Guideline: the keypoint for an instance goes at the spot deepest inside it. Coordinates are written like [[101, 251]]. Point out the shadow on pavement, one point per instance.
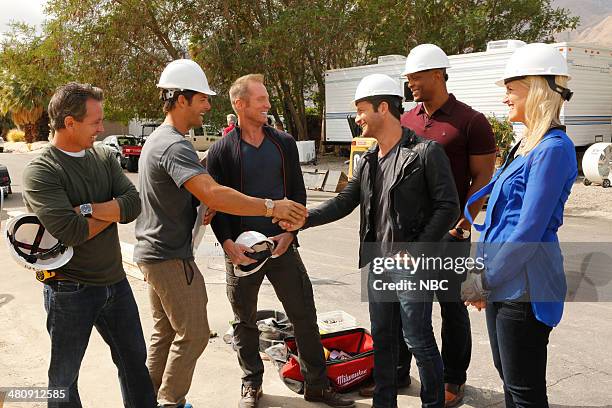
[[5, 298], [278, 401]]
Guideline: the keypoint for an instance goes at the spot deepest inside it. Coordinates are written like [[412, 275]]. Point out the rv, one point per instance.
[[588, 116], [203, 137]]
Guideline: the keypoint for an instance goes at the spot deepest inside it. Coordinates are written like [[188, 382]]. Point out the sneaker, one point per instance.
[[368, 389], [453, 395], [250, 396], [327, 396]]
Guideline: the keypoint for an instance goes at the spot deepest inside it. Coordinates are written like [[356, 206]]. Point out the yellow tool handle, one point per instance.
[[42, 276]]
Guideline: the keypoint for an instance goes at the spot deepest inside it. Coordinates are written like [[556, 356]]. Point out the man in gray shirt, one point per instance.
[[172, 182]]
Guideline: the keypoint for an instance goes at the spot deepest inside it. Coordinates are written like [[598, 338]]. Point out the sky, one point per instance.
[[29, 11]]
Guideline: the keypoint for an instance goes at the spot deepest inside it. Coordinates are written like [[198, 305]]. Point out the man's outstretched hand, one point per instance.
[[290, 212], [288, 226]]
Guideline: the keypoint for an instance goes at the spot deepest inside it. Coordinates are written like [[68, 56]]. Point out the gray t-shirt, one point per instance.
[[382, 185], [164, 227], [262, 169]]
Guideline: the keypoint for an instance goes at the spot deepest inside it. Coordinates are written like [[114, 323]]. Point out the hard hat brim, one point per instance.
[[208, 91], [502, 81], [412, 71]]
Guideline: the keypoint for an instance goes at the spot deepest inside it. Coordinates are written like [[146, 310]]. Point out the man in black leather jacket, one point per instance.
[[408, 197]]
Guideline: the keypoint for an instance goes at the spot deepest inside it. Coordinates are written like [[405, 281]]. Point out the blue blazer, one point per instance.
[[519, 236]]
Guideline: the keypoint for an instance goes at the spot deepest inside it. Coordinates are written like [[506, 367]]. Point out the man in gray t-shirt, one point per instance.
[[164, 228], [172, 183]]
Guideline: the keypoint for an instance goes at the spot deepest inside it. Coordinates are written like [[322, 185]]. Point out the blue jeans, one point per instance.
[[518, 342], [73, 309], [456, 329], [413, 316]]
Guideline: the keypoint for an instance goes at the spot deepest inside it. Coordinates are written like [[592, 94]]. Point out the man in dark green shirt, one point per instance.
[[79, 193]]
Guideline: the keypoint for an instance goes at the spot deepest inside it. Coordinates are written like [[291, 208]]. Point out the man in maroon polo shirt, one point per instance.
[[468, 141]]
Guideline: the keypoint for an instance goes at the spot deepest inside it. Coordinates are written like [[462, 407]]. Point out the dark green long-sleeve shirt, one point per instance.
[[54, 183]]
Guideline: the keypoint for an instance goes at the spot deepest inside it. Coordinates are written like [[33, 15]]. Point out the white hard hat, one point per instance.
[[32, 246], [424, 57], [535, 59], [184, 75], [263, 247], [377, 85]]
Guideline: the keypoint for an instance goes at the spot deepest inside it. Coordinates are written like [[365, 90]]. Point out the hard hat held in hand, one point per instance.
[[424, 57], [535, 59], [263, 247], [184, 75], [32, 246], [377, 85]]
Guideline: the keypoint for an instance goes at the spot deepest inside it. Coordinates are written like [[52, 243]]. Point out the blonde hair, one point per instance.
[[542, 110], [240, 87]]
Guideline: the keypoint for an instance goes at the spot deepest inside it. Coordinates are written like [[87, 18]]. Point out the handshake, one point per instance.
[[289, 215]]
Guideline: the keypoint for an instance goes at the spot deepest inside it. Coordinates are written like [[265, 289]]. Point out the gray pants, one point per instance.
[[291, 283]]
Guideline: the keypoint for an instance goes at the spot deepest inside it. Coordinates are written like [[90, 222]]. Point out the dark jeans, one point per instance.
[[291, 283], [518, 342], [456, 329], [73, 309], [413, 317]]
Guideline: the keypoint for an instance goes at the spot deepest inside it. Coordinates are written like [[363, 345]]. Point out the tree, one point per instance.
[[123, 45], [6, 124], [32, 67], [461, 26]]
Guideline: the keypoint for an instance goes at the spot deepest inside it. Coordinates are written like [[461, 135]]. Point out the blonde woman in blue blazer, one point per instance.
[[523, 284]]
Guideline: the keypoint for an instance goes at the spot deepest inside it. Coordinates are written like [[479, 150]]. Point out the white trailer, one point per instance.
[[588, 116]]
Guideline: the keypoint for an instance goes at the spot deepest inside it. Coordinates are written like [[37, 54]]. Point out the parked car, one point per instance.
[[132, 151], [127, 148], [1, 145], [5, 180]]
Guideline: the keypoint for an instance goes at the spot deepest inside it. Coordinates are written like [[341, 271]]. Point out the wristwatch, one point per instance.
[[465, 234], [269, 207], [86, 210]]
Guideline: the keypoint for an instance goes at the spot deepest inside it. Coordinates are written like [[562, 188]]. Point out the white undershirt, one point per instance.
[[74, 154]]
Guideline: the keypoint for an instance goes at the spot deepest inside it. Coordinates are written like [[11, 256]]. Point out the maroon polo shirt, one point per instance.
[[462, 132]]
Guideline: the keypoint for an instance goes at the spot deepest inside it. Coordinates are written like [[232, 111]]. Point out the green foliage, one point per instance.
[[459, 26], [32, 67], [504, 134]]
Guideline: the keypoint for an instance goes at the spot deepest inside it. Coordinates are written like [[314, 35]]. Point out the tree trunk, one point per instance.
[[42, 126], [31, 132]]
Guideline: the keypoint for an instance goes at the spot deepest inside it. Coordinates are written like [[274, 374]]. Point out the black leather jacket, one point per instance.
[[425, 204]]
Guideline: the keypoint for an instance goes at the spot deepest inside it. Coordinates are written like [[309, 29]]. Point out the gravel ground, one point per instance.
[[593, 201], [328, 162]]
